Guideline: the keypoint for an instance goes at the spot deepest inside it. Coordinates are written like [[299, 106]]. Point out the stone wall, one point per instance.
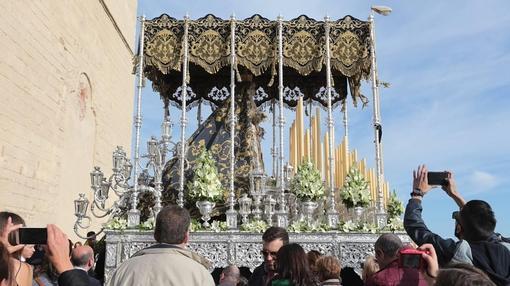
[[66, 101]]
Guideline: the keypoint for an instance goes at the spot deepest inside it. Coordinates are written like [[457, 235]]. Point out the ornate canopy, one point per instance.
[[256, 47]]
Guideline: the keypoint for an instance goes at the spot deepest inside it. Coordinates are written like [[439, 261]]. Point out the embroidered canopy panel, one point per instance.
[[256, 48]]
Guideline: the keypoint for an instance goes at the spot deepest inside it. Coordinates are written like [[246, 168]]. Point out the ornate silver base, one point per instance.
[[243, 248]]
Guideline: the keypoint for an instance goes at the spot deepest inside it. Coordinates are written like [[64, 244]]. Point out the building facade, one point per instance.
[[66, 101]]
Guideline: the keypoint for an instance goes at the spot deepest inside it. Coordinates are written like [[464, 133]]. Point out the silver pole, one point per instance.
[[184, 94], [134, 213], [346, 126], [281, 215], [332, 213], [231, 213], [310, 115], [274, 150], [381, 214]]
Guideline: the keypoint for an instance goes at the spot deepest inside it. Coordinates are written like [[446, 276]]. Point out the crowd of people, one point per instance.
[[479, 256]]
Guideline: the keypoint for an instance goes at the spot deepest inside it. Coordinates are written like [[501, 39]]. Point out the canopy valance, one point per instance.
[[256, 47]]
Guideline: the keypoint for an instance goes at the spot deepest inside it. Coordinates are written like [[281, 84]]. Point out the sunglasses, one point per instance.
[[455, 215], [266, 253]]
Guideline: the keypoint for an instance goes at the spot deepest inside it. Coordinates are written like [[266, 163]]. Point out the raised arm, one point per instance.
[[451, 189], [414, 224]]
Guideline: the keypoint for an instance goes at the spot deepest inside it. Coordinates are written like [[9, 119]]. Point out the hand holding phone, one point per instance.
[[4, 238]]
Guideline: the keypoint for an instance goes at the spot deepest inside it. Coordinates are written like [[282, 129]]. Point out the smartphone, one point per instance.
[[411, 258], [437, 178], [28, 235]]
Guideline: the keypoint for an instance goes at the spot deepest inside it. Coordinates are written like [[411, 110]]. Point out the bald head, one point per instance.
[[83, 257], [230, 276]]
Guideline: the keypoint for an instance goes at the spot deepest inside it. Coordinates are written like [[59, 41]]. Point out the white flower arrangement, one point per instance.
[[206, 184], [307, 183], [394, 224], [257, 226], [303, 226], [394, 207], [350, 226], [116, 223], [149, 224], [355, 192]]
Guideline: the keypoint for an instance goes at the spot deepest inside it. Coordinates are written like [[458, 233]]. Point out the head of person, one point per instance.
[[83, 257], [312, 256], [230, 276], [387, 247], [76, 244], [172, 225], [328, 267], [475, 221], [28, 251], [462, 275], [272, 240], [91, 238], [292, 264], [370, 267]]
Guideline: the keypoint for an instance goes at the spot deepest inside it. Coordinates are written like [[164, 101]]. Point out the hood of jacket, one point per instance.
[[494, 259]]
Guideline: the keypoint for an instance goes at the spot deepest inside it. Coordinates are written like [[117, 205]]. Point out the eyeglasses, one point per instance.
[[455, 215], [266, 253]]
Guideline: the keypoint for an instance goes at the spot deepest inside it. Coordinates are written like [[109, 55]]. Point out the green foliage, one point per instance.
[[195, 225], [394, 224], [216, 226], [307, 183], [206, 184], [355, 192], [394, 206]]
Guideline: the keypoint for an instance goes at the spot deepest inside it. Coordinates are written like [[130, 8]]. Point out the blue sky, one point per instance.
[[448, 100]]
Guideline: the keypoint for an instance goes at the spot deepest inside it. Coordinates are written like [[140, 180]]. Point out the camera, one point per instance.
[[411, 258], [27, 235], [437, 178]]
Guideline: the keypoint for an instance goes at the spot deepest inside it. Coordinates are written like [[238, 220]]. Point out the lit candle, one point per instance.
[[291, 145], [326, 155]]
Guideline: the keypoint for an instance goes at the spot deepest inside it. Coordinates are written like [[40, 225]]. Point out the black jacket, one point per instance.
[[494, 259], [74, 277], [259, 276], [492, 256], [420, 234]]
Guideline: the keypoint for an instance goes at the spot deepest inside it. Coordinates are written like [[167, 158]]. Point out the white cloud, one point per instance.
[[483, 181]]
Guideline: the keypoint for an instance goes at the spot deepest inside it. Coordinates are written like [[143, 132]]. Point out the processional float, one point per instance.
[[239, 67]]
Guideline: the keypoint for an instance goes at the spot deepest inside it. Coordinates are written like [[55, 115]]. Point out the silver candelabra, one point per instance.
[[149, 180]]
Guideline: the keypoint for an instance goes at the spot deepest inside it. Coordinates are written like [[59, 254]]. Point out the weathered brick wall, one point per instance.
[[66, 101]]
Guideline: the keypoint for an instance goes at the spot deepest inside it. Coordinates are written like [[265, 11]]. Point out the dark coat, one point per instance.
[[258, 278], [492, 256], [74, 277]]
